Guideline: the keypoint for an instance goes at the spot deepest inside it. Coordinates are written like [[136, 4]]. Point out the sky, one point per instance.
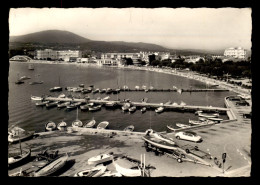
[[180, 28]]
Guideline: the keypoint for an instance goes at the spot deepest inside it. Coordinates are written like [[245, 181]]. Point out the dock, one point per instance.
[[176, 90]]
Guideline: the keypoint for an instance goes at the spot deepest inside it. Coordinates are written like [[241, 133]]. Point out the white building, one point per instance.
[[235, 53], [57, 55]]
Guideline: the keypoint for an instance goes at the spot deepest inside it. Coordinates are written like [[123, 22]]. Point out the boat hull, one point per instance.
[[159, 143], [98, 160], [15, 139], [93, 172], [17, 162]]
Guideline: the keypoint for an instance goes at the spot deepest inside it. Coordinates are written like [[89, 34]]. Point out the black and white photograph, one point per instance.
[[129, 92]]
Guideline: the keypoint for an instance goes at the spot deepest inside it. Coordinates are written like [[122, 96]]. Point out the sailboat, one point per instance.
[[77, 122], [56, 88]]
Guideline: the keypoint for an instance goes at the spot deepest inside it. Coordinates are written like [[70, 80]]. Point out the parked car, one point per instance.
[[188, 135]]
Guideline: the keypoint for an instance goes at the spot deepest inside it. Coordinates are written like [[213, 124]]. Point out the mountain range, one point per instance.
[[57, 39]]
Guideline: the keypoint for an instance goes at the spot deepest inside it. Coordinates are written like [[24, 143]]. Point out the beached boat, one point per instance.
[[208, 115], [159, 110], [103, 125], [143, 109], [52, 166], [51, 104], [132, 109], [94, 108], [160, 143], [17, 133], [92, 172], [102, 158], [77, 122], [62, 105], [61, 125], [41, 103], [50, 126], [182, 125], [15, 160], [129, 128], [90, 124], [106, 98], [128, 172], [36, 98], [126, 106]]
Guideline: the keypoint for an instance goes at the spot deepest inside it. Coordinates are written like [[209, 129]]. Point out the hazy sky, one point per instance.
[[184, 28]]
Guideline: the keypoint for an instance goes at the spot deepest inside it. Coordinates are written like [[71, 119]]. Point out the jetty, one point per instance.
[[176, 90]]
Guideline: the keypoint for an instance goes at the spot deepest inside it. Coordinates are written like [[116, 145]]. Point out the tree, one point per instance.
[[151, 58], [129, 61]]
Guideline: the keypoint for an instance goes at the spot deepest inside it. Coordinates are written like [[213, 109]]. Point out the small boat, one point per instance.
[[110, 104], [117, 90], [25, 78], [125, 87], [34, 83], [182, 125], [73, 106], [62, 96], [208, 115], [132, 109], [41, 103], [85, 91], [106, 98], [144, 87], [17, 133], [159, 110], [163, 138], [174, 104], [128, 172], [84, 107], [102, 90], [194, 122], [197, 112], [52, 104], [81, 85], [168, 103], [103, 125], [19, 82], [111, 174], [160, 143], [77, 89], [129, 128], [50, 126], [52, 166], [215, 119], [95, 91], [109, 90], [14, 160], [126, 106], [36, 98], [56, 88], [94, 108], [31, 67], [202, 119], [90, 124], [100, 159], [146, 90], [92, 172], [77, 122], [182, 103], [61, 105], [61, 125], [143, 109], [137, 87], [171, 128]]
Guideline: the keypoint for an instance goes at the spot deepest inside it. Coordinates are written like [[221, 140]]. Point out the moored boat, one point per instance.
[[94, 108], [129, 128], [143, 109], [84, 107], [92, 172], [215, 119], [36, 98], [34, 83], [51, 104], [159, 110], [77, 122], [50, 126], [103, 125], [24, 78], [109, 90], [61, 125], [95, 91], [208, 115], [102, 90], [194, 122], [62, 95], [61, 105], [106, 98], [102, 158], [182, 125], [41, 103], [56, 88], [132, 109], [110, 104], [128, 172], [90, 124]]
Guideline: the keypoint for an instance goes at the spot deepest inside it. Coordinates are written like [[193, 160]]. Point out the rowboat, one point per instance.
[[52, 104], [160, 143], [194, 122], [50, 126], [90, 124], [95, 91], [100, 159], [61, 125], [143, 109], [159, 110], [41, 103], [128, 172], [17, 133], [56, 88], [106, 98], [102, 90], [126, 106], [73, 105], [84, 107], [110, 104], [61, 105], [25, 78], [129, 128], [62, 96], [37, 98], [77, 122], [52, 166], [132, 109], [109, 90], [95, 108], [34, 83], [103, 125], [18, 159], [208, 115], [111, 174], [182, 125], [92, 172]]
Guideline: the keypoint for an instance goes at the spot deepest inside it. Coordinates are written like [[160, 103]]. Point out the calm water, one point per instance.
[[24, 113]]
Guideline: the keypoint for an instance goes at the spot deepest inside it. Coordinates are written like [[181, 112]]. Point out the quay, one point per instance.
[[176, 90]]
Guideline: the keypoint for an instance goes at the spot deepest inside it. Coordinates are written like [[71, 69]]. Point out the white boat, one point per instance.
[[174, 104], [77, 122], [137, 87], [129, 128], [92, 172], [103, 125], [159, 110], [106, 98], [132, 109], [197, 112], [143, 109], [215, 119], [194, 122], [109, 90], [110, 104], [94, 108], [61, 125], [100, 159], [90, 124], [182, 125], [56, 88], [111, 174], [37, 98], [50, 126], [168, 103], [84, 107], [208, 115], [182, 103], [24, 78], [61, 105], [128, 172], [41, 103], [163, 138], [17, 133], [14, 160], [62, 96], [51, 104], [52, 166], [126, 106]]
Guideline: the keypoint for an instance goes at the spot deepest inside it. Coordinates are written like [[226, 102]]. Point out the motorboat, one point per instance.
[[194, 122], [182, 125], [34, 83], [127, 172], [56, 88], [106, 98], [41, 103], [17, 133], [52, 166], [132, 109], [95, 91], [143, 109], [52, 104], [102, 158], [102, 90], [94, 108], [50, 126], [126, 106], [92, 172], [62, 105], [36, 98], [15, 160], [159, 110], [103, 125], [62, 95], [129, 128], [110, 104], [61, 125], [77, 122], [160, 143], [90, 124], [84, 107], [208, 115]]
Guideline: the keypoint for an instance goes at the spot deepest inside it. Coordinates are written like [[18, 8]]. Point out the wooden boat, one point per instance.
[[111, 174], [95, 108], [17, 159], [77, 122], [50, 126], [100, 159], [52, 166], [159, 110], [110, 104], [52, 104], [208, 115], [160, 143], [61, 105], [84, 107], [61, 125], [128, 172], [182, 125], [90, 124], [36, 98], [143, 109], [103, 125], [17, 133], [41, 103], [132, 109], [126, 106], [92, 172], [129, 128]]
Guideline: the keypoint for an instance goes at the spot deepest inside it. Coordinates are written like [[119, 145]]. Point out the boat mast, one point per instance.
[[77, 114], [20, 143]]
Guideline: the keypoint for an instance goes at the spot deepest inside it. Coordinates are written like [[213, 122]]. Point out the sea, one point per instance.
[[22, 111]]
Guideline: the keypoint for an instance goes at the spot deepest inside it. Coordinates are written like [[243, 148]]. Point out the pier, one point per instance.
[[176, 90]]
